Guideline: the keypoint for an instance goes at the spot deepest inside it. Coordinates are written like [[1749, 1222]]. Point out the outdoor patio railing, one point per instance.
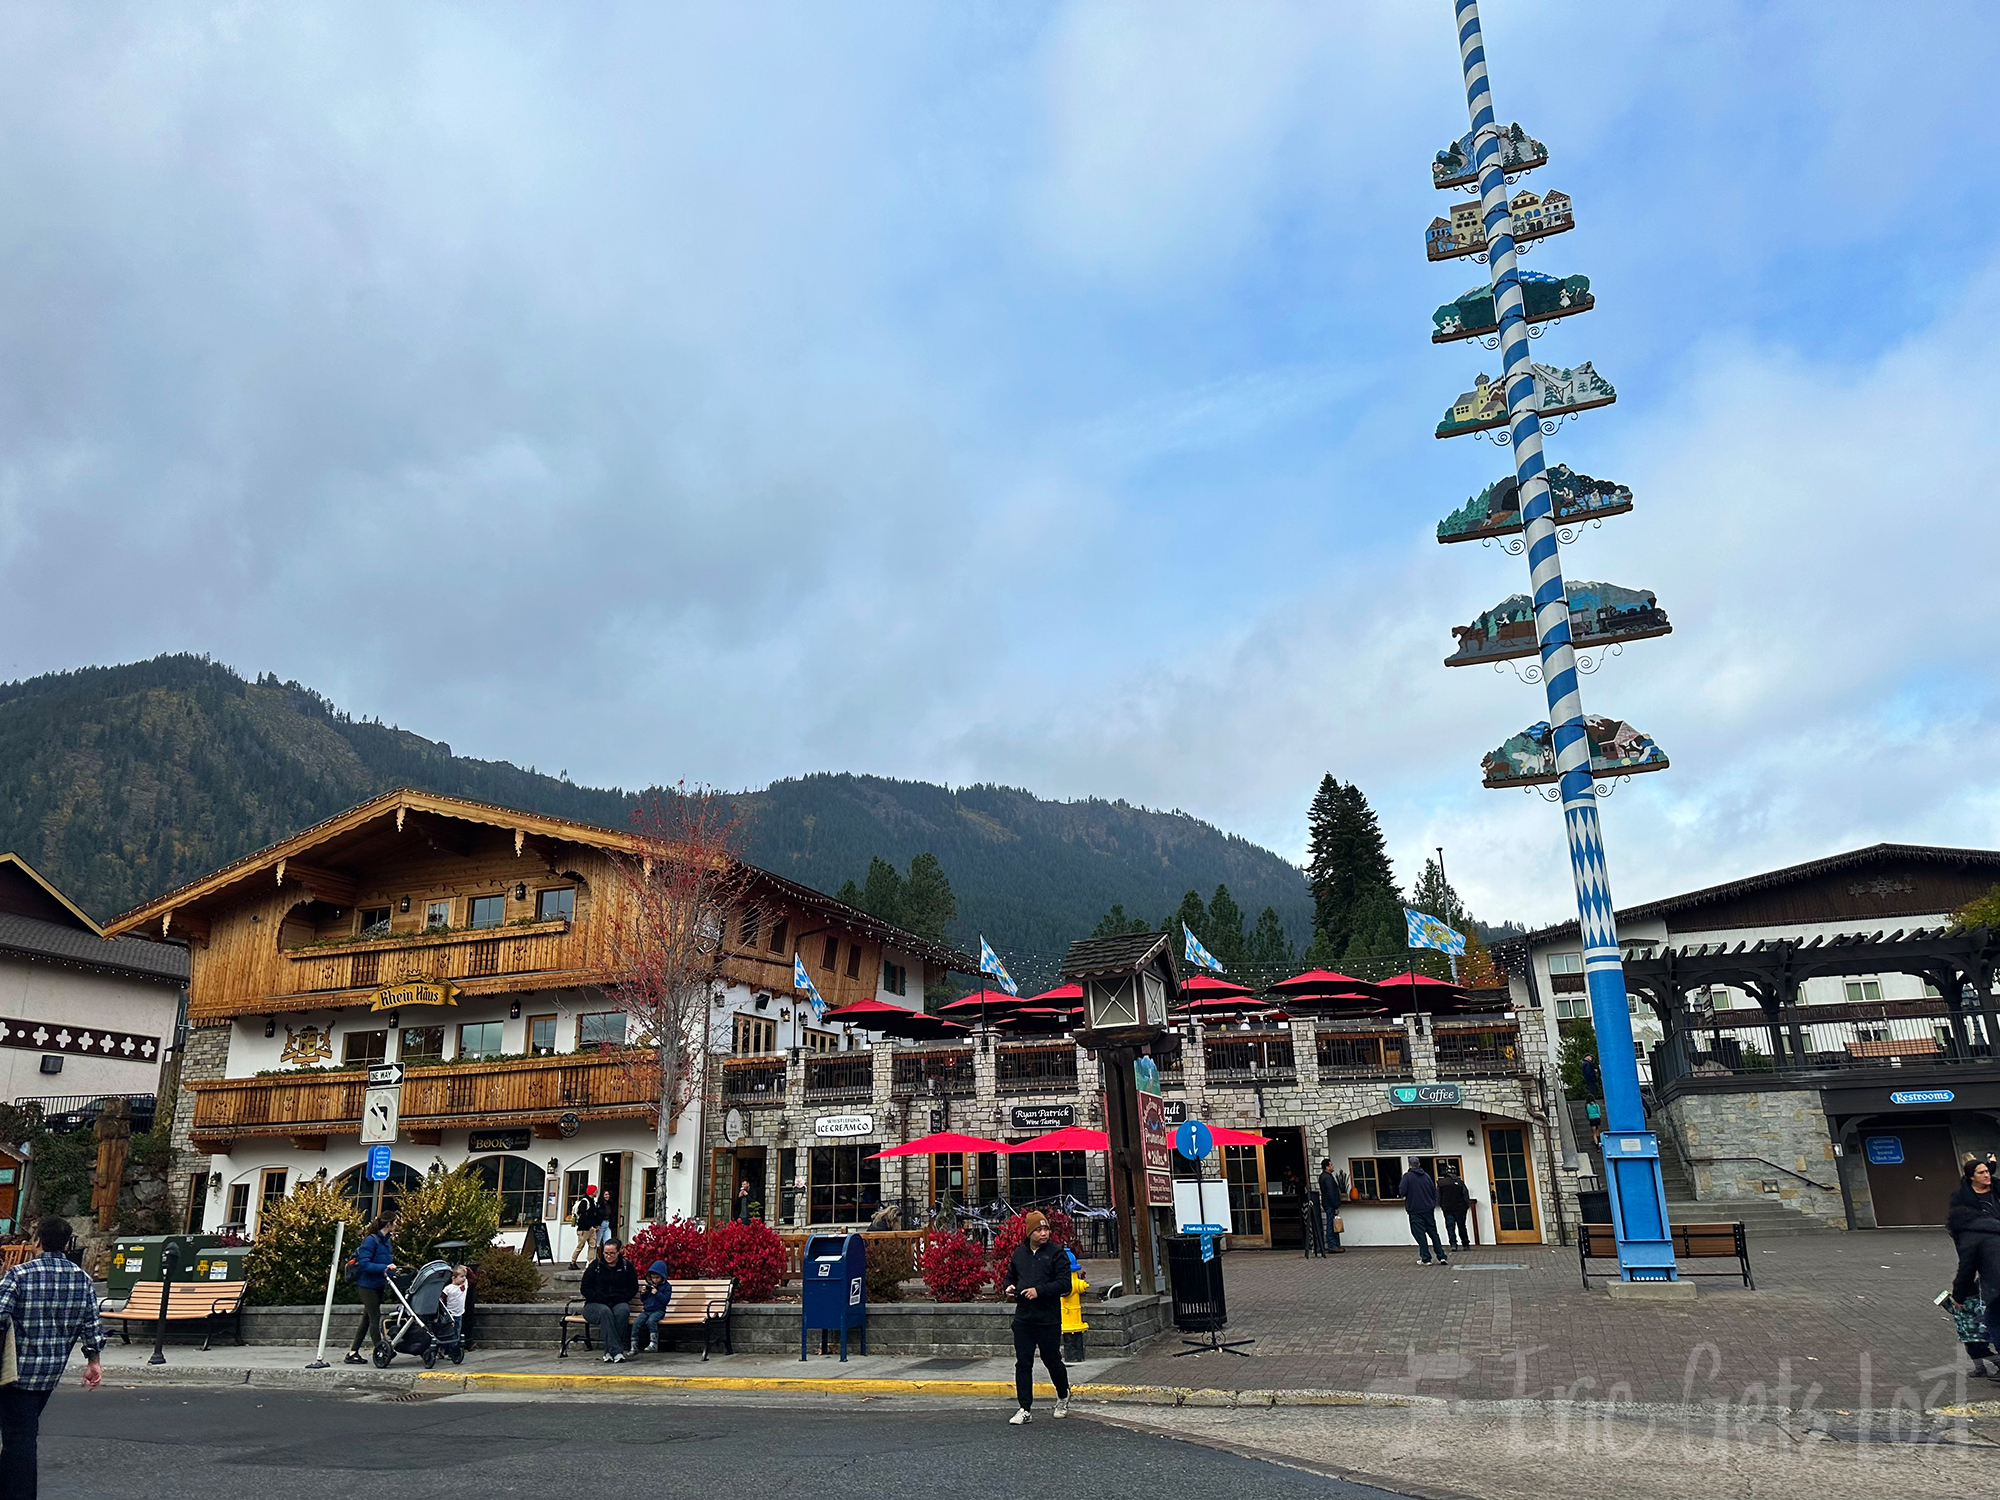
[[1350, 1054], [753, 1080], [850, 1076], [1470, 1052], [1746, 1043], [1245, 1058], [920, 1071], [1035, 1067]]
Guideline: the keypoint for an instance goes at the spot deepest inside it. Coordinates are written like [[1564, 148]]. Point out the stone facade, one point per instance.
[[205, 1055], [1741, 1142]]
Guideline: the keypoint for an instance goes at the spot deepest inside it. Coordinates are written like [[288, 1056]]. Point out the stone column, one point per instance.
[[1305, 1053], [1423, 1048]]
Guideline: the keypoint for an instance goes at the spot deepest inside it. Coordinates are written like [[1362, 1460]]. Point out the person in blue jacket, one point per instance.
[[373, 1264]]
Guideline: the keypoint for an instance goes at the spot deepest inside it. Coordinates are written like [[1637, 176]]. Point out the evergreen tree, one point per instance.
[[1348, 869], [850, 893], [882, 892], [1194, 914], [1379, 929], [1477, 971], [927, 904], [1225, 929], [1115, 923], [1323, 864], [1435, 896], [1267, 952]]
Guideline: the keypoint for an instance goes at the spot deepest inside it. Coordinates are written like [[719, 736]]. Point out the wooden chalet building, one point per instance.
[[475, 945]]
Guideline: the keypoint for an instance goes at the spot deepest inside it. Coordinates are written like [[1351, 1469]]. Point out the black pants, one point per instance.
[[1029, 1337], [20, 1425], [371, 1319], [1454, 1226], [1424, 1230]]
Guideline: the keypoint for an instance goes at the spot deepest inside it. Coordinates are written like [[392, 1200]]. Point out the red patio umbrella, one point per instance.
[[1069, 1138], [945, 1141], [1412, 990], [1224, 1005], [893, 1020], [1041, 1019], [1213, 987], [981, 1003], [1323, 982], [1062, 993], [1224, 1136]]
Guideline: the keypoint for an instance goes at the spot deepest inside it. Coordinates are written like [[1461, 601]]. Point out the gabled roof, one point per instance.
[[405, 800], [1832, 864], [1115, 955], [71, 947], [24, 892]]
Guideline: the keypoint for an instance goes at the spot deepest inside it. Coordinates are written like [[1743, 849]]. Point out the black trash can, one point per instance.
[[1199, 1303]]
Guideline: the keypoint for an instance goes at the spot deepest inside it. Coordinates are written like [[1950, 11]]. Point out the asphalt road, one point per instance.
[[180, 1444]]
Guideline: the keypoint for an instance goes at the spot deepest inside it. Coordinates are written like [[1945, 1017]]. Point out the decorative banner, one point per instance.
[[1426, 931], [1196, 954], [1557, 392], [1464, 233], [49, 1036], [801, 980], [989, 963], [1496, 510], [1519, 152], [1599, 613], [1545, 298], [1529, 758], [415, 992]]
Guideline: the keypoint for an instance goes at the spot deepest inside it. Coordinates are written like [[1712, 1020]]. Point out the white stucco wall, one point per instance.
[[65, 997]]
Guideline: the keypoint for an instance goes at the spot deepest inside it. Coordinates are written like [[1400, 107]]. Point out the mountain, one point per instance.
[[121, 782]]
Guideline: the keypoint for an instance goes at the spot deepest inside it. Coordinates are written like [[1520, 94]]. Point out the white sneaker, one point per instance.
[[1062, 1406], [1020, 1418], [618, 1359], [607, 1359]]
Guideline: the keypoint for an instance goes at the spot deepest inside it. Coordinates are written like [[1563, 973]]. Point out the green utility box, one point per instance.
[[136, 1258], [215, 1262]]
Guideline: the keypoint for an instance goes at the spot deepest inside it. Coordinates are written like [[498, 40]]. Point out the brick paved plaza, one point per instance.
[[1840, 1308]]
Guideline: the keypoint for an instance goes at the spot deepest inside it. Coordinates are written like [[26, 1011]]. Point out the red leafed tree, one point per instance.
[[682, 881]]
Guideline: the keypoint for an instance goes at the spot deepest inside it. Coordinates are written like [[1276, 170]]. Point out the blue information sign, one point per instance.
[[378, 1163], [1885, 1150], [1194, 1140]]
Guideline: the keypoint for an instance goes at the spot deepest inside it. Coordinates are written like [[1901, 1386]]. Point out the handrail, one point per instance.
[[1824, 1187]]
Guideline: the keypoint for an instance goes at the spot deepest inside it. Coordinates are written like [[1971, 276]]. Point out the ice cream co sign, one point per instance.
[[838, 1127]]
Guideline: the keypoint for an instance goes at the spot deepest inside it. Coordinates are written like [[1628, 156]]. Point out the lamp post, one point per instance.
[[1631, 1152], [170, 1262]]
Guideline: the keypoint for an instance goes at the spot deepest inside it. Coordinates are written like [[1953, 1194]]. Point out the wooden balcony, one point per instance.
[[479, 960], [535, 1091], [754, 1080], [1478, 1050]]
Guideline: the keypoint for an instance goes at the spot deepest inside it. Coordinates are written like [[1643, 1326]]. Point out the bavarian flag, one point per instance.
[[989, 963], [1196, 954], [1426, 931], [801, 980]]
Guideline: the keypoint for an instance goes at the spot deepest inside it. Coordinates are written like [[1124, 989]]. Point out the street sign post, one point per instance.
[[378, 1163], [1194, 1140], [382, 1105]]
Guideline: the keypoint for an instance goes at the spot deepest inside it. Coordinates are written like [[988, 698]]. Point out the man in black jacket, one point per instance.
[[609, 1285], [1456, 1203], [1037, 1279], [1420, 1201], [1329, 1202]]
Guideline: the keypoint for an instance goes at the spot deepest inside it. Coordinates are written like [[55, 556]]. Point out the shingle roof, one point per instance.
[[35, 939], [1106, 955]]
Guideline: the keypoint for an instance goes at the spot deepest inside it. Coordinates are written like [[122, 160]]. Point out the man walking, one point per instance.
[[1456, 1202], [49, 1305], [1329, 1203], [1420, 1200]]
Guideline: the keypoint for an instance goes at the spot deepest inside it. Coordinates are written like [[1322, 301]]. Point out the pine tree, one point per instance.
[[927, 904], [1115, 923], [1434, 895], [882, 892], [850, 893], [1267, 953], [1225, 929], [1324, 864], [1194, 914], [1348, 869], [1379, 929]]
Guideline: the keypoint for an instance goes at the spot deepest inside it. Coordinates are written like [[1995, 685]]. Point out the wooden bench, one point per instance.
[[703, 1304], [1691, 1242], [1920, 1046], [15, 1255], [210, 1301]]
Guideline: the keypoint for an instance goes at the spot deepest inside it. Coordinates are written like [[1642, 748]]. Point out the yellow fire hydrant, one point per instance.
[[1073, 1326]]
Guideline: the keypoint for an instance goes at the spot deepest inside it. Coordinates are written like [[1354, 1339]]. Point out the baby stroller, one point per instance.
[[423, 1327]]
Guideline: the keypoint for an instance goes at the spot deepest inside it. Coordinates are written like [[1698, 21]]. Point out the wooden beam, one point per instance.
[[440, 835], [326, 885]]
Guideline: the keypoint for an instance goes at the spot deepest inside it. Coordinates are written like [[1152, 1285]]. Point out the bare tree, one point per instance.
[[682, 883]]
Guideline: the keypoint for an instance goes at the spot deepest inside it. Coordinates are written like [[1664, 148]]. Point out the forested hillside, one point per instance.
[[122, 782]]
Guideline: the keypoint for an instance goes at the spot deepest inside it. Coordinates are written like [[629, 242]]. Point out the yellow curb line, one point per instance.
[[1158, 1395]]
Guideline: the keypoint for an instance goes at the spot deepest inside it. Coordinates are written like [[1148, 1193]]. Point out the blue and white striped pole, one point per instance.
[[1631, 1153]]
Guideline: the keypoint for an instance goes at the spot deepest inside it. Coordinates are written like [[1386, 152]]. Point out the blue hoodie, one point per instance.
[[657, 1300]]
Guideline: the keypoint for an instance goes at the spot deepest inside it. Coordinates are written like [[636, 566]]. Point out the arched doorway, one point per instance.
[[372, 1198]]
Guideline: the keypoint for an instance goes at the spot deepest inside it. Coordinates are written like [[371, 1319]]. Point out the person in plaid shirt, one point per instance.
[[49, 1304]]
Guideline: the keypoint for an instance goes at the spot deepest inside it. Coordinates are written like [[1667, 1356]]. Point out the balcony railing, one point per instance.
[[753, 1080], [922, 1071], [1035, 1068], [1736, 1044], [455, 1094], [1472, 1052], [1374, 1054], [847, 1076], [533, 948], [1244, 1058]]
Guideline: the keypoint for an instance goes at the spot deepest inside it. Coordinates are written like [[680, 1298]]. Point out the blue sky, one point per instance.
[[1033, 393]]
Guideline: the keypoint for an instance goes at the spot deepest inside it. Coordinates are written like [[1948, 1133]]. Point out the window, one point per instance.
[[365, 1047], [649, 1193], [372, 1198], [602, 1027], [423, 1044], [1717, 996], [853, 960], [517, 1181], [1036, 1175], [1376, 1176], [1863, 991], [485, 911], [894, 978], [541, 1036], [239, 1203], [845, 1188], [752, 924], [477, 1039], [754, 1034], [272, 1191], [374, 921], [1438, 1166], [1639, 1051], [820, 1041], [574, 1184], [556, 906], [437, 914], [780, 934], [830, 955]]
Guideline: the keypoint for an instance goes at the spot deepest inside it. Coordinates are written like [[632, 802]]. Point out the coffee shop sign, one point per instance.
[[1425, 1093], [840, 1126]]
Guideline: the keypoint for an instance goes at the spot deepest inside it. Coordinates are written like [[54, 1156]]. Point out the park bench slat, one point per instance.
[[702, 1303], [188, 1300], [1719, 1241]]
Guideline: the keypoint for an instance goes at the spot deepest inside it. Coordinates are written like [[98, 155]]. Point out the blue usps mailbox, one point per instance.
[[834, 1274]]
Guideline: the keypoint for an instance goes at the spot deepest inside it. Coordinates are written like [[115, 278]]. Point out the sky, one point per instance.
[[1020, 392]]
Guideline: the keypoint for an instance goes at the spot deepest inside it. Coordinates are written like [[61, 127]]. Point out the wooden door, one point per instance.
[[1249, 1222], [1915, 1189], [1512, 1172]]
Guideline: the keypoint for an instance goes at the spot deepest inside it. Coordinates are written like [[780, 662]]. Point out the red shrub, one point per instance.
[[752, 1253], [1062, 1236], [675, 1241], [953, 1267]]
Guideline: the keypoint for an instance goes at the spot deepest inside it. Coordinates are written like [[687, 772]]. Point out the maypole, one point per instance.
[[1631, 1152]]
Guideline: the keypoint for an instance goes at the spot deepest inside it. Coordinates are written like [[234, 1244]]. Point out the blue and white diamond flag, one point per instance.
[[1196, 954], [1426, 931], [989, 963], [801, 980]]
